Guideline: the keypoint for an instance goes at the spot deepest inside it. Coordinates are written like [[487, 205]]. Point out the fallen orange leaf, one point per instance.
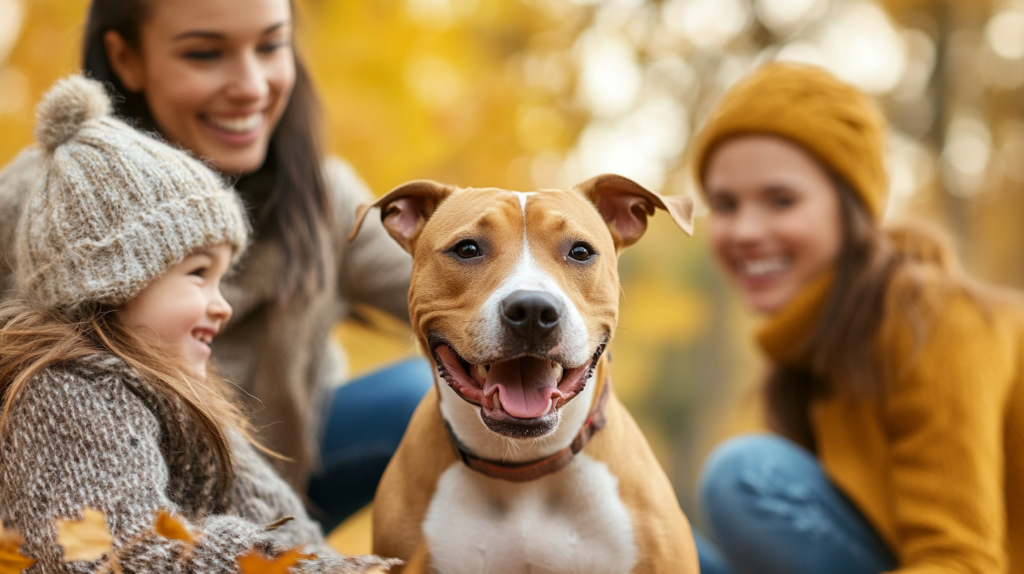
[[254, 563], [86, 539], [173, 529], [11, 560]]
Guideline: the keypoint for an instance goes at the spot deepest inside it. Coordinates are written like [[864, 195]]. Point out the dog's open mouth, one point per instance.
[[524, 391]]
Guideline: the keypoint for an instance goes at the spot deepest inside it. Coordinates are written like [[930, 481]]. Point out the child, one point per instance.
[[106, 400]]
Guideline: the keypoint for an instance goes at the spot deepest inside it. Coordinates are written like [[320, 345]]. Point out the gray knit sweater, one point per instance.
[[95, 435]]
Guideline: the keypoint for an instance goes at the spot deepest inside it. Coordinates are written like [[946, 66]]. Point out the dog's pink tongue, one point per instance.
[[524, 386]]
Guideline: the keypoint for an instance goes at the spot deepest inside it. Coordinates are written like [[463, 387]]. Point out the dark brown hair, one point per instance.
[[875, 267], [33, 339], [287, 194]]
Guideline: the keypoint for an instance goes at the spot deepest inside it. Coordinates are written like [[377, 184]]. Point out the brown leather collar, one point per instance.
[[534, 469]]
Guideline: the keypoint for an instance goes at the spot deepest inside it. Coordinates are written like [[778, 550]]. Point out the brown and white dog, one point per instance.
[[521, 460]]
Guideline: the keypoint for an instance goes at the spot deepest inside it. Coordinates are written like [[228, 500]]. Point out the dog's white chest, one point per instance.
[[570, 522]]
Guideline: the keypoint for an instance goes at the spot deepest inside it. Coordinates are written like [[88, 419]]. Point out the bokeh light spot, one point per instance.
[[610, 77], [707, 23], [10, 24], [1005, 34], [781, 16], [863, 48]]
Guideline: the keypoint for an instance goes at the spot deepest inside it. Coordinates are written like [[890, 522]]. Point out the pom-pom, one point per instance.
[[70, 103]]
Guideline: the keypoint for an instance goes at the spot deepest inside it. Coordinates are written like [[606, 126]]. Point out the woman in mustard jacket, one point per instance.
[[895, 394]]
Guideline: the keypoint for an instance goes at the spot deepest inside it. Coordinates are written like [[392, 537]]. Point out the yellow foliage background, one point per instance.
[[524, 94]]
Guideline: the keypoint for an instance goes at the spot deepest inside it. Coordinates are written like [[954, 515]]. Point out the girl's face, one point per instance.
[[216, 74], [775, 218], [183, 310]]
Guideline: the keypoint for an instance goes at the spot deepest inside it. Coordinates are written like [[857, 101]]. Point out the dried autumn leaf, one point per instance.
[[173, 529], [254, 563], [86, 539], [279, 523], [11, 560]]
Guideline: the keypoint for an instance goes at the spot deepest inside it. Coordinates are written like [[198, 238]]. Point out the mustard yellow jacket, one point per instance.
[[937, 463]]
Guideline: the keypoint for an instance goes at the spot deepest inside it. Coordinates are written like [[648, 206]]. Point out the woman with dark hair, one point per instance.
[[221, 79], [895, 394]]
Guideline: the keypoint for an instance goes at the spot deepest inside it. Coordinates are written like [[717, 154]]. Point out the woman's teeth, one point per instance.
[[203, 337], [764, 266], [238, 125]]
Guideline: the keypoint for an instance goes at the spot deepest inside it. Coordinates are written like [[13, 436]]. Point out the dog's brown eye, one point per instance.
[[580, 252], [467, 249]]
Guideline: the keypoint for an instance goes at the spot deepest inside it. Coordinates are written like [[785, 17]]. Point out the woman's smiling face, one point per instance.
[[216, 74], [775, 222]]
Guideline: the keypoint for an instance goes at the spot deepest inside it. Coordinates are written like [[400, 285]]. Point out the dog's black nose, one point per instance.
[[532, 315]]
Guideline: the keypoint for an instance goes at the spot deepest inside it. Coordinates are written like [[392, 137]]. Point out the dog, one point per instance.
[[521, 459]]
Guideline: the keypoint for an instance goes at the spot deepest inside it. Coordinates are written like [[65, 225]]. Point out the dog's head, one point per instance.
[[515, 295]]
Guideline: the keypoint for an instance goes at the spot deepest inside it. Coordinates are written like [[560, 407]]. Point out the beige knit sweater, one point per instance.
[[279, 356]]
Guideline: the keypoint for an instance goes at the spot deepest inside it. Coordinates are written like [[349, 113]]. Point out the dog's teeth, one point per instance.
[[556, 370], [481, 371]]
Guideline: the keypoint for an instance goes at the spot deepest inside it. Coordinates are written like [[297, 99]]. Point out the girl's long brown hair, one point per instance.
[[877, 269], [288, 193], [33, 339]]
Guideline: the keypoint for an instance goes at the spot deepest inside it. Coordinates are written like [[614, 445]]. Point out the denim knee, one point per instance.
[[725, 479], [771, 508]]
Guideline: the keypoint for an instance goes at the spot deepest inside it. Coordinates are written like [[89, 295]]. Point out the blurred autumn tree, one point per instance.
[[544, 93]]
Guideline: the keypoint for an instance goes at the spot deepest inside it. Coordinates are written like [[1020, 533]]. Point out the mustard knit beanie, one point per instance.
[[113, 208], [832, 120]]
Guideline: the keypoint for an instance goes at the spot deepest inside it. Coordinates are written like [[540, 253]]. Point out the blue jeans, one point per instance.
[[365, 423], [771, 509]]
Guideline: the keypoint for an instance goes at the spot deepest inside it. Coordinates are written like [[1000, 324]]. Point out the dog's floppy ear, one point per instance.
[[405, 209], [625, 206]]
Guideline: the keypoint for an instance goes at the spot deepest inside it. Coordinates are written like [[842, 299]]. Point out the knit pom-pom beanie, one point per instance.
[[114, 208], [834, 121], [70, 103]]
